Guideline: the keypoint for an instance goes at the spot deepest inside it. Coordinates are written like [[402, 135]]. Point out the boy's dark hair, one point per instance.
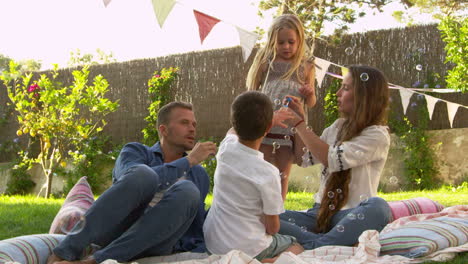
[[251, 115], [164, 113]]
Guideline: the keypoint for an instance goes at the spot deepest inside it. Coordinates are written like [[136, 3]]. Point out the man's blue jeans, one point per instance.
[[347, 224], [120, 224]]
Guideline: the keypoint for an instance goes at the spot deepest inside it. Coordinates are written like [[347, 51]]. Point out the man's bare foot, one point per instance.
[[269, 260], [53, 259]]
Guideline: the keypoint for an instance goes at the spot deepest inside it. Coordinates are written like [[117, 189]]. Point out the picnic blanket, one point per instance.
[[367, 251]]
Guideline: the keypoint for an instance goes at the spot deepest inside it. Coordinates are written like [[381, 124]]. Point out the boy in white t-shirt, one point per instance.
[[247, 198]]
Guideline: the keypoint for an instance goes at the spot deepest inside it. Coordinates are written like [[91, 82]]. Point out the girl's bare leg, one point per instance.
[[282, 159]]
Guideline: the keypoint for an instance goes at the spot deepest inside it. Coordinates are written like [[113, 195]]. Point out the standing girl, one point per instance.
[[279, 69]]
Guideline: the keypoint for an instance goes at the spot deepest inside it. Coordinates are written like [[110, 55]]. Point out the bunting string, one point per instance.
[[321, 68], [205, 22]]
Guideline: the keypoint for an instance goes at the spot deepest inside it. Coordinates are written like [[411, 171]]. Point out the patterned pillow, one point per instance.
[[30, 249], [421, 238], [78, 201], [413, 206]]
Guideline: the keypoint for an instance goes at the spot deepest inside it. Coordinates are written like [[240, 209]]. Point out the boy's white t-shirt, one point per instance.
[[245, 188]]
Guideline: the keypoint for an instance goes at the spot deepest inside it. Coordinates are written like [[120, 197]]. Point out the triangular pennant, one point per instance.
[[247, 41], [106, 2], [162, 8], [452, 111], [405, 98], [430, 102], [344, 71], [321, 67], [205, 24]]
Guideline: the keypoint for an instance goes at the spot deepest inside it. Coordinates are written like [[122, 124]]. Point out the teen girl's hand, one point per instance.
[[306, 90]]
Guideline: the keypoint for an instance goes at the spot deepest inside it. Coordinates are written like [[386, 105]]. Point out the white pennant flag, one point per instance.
[[106, 2], [405, 95], [430, 103], [321, 68], [247, 42], [452, 111]]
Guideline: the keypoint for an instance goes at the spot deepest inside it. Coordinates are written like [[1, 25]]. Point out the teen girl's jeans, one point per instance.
[[347, 224]]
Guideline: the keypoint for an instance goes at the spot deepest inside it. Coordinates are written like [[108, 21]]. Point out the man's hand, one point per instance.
[[201, 151]]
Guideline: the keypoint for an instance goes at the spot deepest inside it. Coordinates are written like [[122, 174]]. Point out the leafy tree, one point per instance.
[[315, 13], [159, 88], [78, 59], [60, 117], [23, 65], [455, 35], [438, 8]]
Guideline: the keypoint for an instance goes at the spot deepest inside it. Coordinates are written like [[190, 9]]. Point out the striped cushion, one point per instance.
[[418, 239], [30, 249], [78, 201], [420, 205]]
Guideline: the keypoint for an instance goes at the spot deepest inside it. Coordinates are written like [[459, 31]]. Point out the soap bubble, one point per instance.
[[340, 228], [287, 137], [339, 191], [331, 207], [275, 147], [304, 149], [309, 128], [292, 220], [277, 102], [303, 229], [360, 216], [349, 50], [351, 216], [364, 77], [419, 67], [74, 222], [393, 180], [330, 194], [293, 130], [359, 153], [363, 198]]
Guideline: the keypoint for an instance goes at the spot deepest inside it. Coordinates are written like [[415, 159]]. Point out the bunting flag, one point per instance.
[[106, 2], [344, 71], [430, 102], [321, 68], [452, 111], [162, 8], [247, 42], [405, 95], [205, 24]]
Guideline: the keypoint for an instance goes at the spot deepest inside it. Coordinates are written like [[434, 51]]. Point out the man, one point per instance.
[[128, 221]]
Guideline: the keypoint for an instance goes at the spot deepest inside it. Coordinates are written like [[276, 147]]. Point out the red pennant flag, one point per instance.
[[205, 24]]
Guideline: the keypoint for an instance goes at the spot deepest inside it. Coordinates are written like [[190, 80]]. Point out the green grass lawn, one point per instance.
[[24, 215]]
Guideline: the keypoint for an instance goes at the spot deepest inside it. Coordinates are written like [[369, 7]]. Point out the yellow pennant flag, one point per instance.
[[162, 8], [344, 71]]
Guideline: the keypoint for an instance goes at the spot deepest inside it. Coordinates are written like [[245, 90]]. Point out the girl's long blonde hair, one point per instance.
[[370, 108], [267, 54]]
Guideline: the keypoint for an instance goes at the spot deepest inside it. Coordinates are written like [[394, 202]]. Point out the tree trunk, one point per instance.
[[49, 185]]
